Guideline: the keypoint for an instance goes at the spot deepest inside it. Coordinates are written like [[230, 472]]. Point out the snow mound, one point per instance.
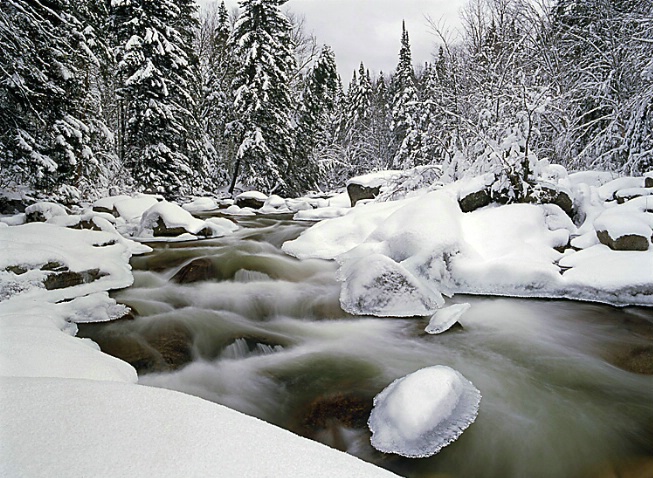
[[377, 285], [419, 414], [46, 210], [85, 428], [444, 319]]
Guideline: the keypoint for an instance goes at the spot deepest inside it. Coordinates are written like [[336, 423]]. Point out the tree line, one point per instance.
[[152, 95]]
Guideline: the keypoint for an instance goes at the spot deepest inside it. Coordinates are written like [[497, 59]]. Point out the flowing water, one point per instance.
[[567, 390]]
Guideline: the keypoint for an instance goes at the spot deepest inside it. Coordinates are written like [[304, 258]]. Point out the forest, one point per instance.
[[156, 96]]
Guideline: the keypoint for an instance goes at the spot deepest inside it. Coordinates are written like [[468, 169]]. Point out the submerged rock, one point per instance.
[[419, 414], [198, 270]]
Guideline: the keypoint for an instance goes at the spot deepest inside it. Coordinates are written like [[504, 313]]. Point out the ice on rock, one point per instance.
[[377, 285], [445, 318], [418, 415]]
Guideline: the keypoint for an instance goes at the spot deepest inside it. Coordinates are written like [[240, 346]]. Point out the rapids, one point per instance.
[[265, 335]]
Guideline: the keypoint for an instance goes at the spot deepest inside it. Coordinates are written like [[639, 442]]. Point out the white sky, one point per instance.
[[370, 30]]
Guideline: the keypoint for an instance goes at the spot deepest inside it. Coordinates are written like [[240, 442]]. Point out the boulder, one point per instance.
[[358, 192], [550, 194], [198, 270], [648, 180], [475, 200], [44, 211], [349, 410], [66, 278], [174, 342], [251, 199], [627, 242], [635, 359]]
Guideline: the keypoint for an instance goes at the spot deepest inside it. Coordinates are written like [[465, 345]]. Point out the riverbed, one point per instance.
[[567, 387]]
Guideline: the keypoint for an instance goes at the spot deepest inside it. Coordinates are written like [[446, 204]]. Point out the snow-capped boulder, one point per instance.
[[419, 414], [648, 179], [367, 186], [377, 285], [132, 209], [44, 211], [166, 219], [624, 195], [251, 199], [107, 204], [475, 193], [627, 227], [201, 204], [548, 193], [446, 318]]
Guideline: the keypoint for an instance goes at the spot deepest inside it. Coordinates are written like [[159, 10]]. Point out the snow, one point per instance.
[[87, 428], [49, 210], [417, 415], [445, 318], [374, 180], [132, 209], [201, 205], [252, 195]]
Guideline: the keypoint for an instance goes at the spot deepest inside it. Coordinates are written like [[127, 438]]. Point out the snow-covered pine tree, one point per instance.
[[263, 129], [160, 142], [316, 120], [406, 111], [44, 139]]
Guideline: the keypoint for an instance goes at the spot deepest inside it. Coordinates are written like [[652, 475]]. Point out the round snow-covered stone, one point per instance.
[[419, 414], [444, 319]]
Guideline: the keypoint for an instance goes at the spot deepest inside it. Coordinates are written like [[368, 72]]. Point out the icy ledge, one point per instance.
[[418, 415]]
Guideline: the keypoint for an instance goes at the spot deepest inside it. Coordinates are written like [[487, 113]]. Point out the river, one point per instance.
[[263, 333]]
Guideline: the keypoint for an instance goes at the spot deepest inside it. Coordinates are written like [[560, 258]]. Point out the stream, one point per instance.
[[567, 387]]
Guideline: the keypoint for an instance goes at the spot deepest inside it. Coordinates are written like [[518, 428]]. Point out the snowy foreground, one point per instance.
[[70, 410]]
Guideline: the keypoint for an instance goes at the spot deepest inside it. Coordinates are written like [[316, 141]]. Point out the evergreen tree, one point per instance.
[[316, 121], [160, 140], [44, 136], [406, 114], [262, 130]]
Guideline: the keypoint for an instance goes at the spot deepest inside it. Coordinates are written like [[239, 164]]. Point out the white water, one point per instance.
[[269, 339]]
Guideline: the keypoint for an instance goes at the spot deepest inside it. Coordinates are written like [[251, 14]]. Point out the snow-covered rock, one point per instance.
[[168, 219], [44, 211], [201, 204], [417, 415], [377, 285], [368, 186], [107, 204], [445, 318], [132, 209], [251, 199]]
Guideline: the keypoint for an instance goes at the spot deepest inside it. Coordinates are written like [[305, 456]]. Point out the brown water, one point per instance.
[[265, 335]]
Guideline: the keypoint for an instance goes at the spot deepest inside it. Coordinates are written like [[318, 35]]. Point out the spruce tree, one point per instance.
[[45, 140], [316, 120], [406, 111], [160, 143], [262, 131]]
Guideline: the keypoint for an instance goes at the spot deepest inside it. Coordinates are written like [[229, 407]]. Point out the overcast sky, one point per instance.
[[370, 30]]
